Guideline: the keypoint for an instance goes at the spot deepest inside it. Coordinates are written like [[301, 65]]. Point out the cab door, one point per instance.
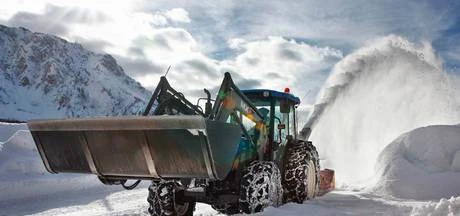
[[284, 127]]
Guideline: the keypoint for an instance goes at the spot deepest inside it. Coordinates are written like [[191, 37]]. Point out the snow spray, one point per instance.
[[373, 95]]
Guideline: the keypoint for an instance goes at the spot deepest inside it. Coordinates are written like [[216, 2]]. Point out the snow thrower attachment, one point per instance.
[[241, 153]]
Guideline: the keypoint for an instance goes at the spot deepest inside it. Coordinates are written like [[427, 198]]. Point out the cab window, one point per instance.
[[281, 126]]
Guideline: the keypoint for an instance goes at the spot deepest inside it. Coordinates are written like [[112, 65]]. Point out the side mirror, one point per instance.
[[285, 106]]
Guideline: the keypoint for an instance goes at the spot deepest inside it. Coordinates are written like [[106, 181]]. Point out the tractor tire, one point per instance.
[[301, 172], [260, 187], [161, 201]]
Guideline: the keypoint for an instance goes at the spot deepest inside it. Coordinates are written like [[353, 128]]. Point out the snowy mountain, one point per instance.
[[43, 76]]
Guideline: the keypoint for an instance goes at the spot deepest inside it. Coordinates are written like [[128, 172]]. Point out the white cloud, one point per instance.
[[164, 18], [148, 18], [273, 63], [236, 43], [278, 62], [178, 15], [332, 22]]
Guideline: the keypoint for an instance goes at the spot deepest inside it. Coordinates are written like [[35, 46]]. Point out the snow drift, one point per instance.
[[445, 207], [422, 164], [375, 94]]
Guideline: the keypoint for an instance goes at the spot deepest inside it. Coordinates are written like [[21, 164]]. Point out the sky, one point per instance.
[[264, 44]]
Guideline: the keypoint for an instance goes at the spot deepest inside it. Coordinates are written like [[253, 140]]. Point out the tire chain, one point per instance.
[[294, 175], [161, 198], [260, 187]]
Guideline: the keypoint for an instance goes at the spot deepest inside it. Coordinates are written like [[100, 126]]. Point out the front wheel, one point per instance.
[[162, 200], [260, 187]]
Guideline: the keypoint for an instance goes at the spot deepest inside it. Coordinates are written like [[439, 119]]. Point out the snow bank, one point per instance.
[[22, 173], [7, 130], [422, 164], [375, 94], [445, 207]]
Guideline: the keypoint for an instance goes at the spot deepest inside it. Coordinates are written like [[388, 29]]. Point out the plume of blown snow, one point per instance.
[[388, 87]]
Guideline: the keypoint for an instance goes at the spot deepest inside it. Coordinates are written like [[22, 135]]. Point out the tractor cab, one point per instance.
[[279, 110]]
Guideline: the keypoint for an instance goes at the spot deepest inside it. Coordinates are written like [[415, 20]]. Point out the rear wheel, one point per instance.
[[260, 187], [162, 200], [301, 172]]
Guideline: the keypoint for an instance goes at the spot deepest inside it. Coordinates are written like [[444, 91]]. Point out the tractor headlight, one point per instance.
[[266, 94]]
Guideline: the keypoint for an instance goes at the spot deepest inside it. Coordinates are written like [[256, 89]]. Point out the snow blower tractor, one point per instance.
[[240, 153]]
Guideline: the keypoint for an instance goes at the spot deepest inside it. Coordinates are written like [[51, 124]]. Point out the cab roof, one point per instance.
[[271, 93]]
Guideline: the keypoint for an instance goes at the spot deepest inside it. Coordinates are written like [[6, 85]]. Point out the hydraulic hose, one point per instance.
[[130, 187]]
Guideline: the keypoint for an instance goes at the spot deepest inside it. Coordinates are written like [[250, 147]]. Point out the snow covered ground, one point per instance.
[[107, 201], [27, 189]]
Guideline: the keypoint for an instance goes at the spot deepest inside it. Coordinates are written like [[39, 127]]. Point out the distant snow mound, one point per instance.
[[422, 164]]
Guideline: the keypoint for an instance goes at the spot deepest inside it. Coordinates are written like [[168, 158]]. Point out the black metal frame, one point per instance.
[[173, 97]]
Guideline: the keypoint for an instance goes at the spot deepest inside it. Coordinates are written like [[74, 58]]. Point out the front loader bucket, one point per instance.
[[138, 147]]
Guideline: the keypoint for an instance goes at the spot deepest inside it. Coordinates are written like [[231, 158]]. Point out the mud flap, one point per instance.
[[138, 147]]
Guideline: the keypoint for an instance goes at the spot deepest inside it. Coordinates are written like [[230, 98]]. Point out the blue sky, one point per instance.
[[265, 44]]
